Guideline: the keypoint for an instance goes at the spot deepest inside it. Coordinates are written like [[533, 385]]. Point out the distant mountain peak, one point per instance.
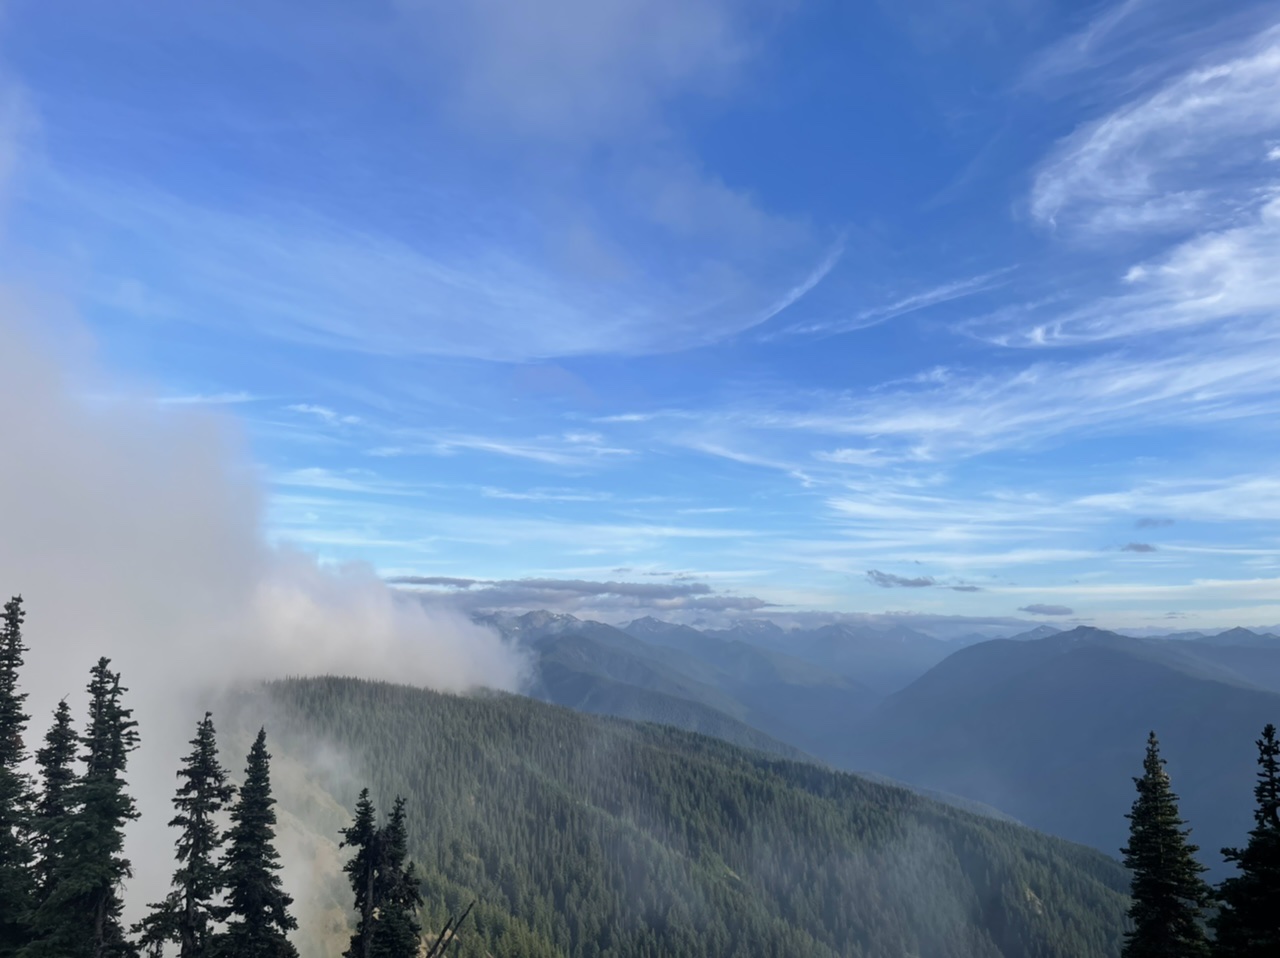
[[758, 627], [1039, 632], [649, 623], [537, 623], [541, 618], [1089, 633], [1239, 632], [1241, 636]]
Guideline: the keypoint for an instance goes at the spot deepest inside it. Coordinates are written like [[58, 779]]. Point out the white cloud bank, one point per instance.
[[132, 530]]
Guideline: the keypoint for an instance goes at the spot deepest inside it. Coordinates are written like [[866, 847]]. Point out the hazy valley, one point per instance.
[[1046, 726]]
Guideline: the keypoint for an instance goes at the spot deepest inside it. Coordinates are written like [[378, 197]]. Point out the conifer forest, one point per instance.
[[493, 824]]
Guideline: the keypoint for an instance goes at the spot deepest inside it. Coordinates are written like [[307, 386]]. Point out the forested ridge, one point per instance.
[[525, 829], [585, 836]]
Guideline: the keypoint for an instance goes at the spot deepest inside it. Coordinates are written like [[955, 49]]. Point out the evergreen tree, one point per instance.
[[398, 933], [1168, 895], [362, 872], [257, 909], [1248, 925], [15, 789], [79, 916], [387, 897], [52, 807], [185, 916]]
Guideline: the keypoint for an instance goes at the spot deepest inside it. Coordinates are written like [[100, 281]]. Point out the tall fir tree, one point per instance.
[[79, 916], [1248, 924], [52, 808], [1168, 896], [186, 914], [398, 934], [362, 872], [387, 896], [257, 908], [16, 886]]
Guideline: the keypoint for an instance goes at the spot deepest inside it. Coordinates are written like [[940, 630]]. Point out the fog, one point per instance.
[[134, 530]]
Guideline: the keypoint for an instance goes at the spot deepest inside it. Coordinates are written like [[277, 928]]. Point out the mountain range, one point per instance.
[[585, 836], [1046, 726], [1051, 730]]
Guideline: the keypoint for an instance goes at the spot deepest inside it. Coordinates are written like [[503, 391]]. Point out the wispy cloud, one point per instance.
[[17, 121], [806, 285], [947, 292], [567, 450], [1242, 591], [310, 280], [570, 450], [1232, 498], [545, 495], [1242, 498], [714, 447], [1130, 170], [853, 457], [1217, 380], [324, 413], [1215, 276], [351, 480], [1085, 48], [300, 516], [209, 399]]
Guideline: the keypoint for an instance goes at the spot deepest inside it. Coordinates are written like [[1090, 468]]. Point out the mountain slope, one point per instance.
[[584, 836], [1052, 730], [660, 672], [599, 695], [790, 699], [1252, 657], [883, 659], [633, 664]]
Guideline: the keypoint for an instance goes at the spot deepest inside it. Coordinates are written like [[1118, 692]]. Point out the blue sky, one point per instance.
[[949, 308]]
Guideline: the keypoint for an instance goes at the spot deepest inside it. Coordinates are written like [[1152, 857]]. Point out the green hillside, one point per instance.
[[586, 836]]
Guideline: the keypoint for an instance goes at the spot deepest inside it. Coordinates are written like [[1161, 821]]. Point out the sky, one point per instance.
[[956, 308]]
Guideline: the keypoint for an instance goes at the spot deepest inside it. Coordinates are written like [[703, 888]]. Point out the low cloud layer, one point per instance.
[[887, 580], [607, 600], [1138, 547], [1038, 608]]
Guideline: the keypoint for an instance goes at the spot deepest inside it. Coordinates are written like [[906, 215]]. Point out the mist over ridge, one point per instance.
[[134, 530]]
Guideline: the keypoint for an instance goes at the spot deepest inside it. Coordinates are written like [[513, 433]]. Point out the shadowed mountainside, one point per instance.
[[1052, 730]]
